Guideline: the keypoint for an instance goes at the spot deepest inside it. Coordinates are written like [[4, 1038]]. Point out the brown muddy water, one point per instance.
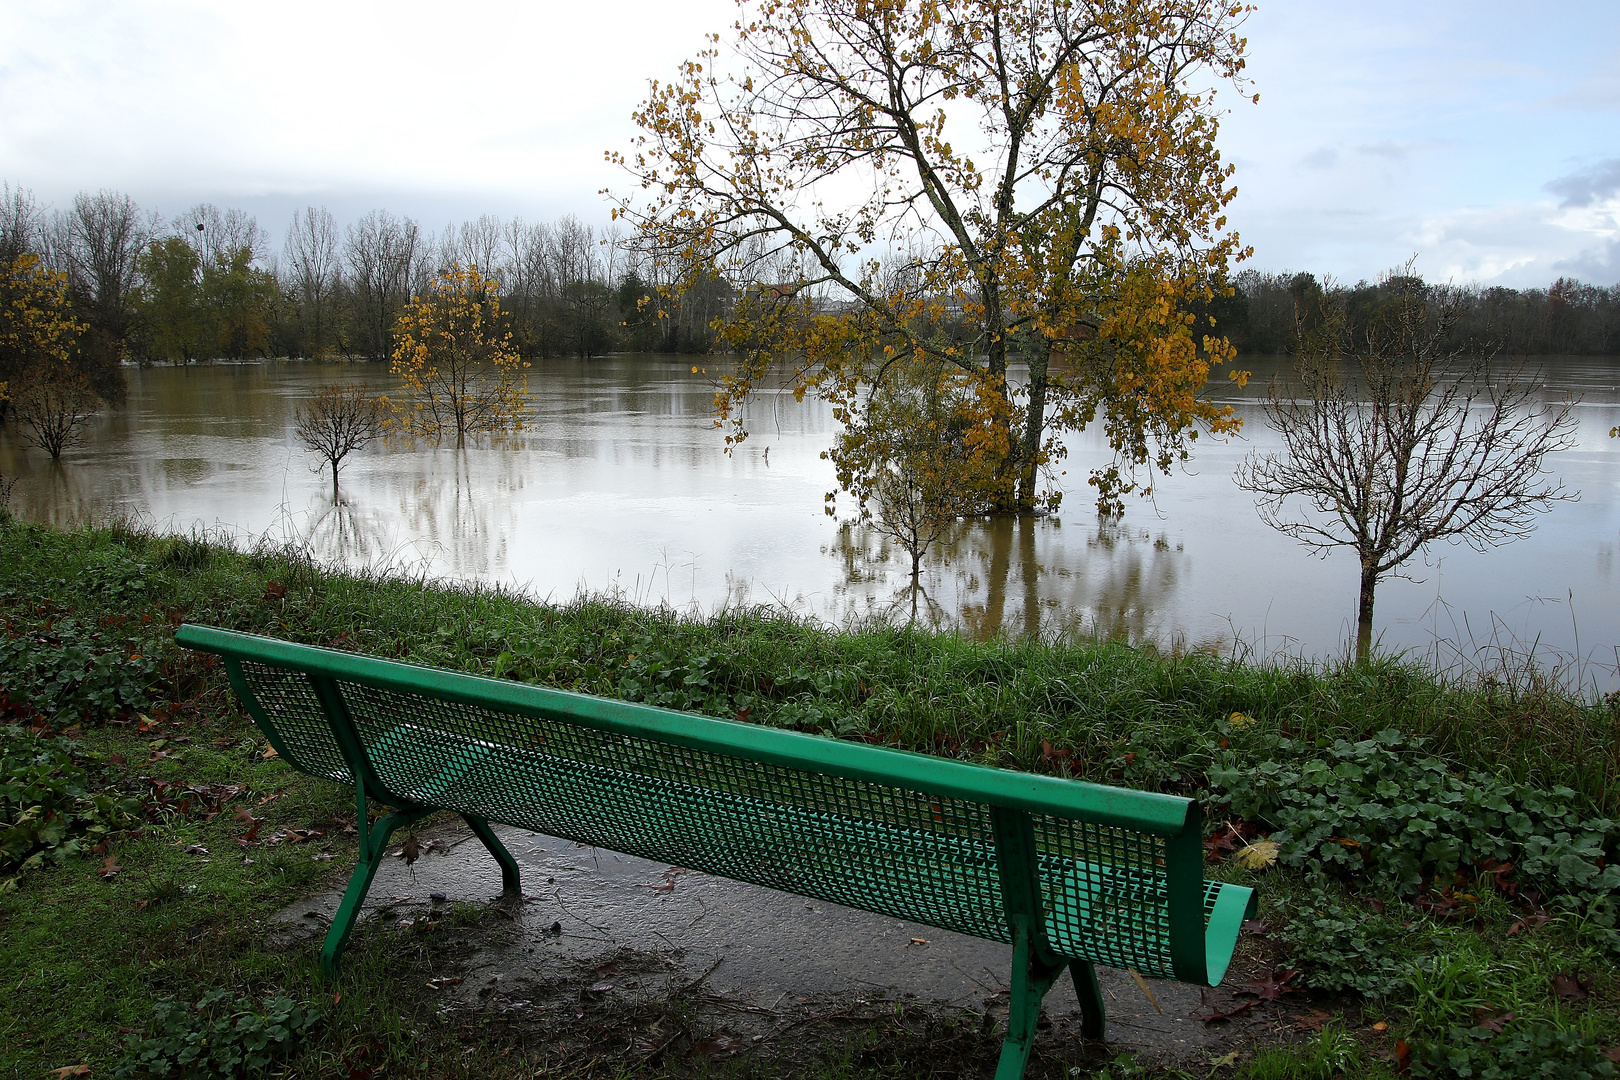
[[621, 484]]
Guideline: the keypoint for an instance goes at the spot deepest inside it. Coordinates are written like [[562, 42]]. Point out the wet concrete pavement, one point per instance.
[[755, 947]]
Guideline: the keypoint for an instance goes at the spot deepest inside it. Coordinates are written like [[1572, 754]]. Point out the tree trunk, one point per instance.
[[1034, 427], [1004, 500], [1364, 615]]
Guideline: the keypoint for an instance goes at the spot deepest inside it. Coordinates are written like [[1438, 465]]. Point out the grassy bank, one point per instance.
[[1445, 856]]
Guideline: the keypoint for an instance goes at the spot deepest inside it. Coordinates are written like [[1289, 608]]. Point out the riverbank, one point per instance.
[[1445, 851]]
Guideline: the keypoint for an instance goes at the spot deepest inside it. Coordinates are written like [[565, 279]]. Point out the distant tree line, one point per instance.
[[211, 284], [1570, 317]]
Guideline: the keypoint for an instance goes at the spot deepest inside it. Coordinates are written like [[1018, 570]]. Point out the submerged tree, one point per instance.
[[453, 351], [1042, 179], [1399, 439], [37, 328], [909, 457], [339, 420], [54, 403]]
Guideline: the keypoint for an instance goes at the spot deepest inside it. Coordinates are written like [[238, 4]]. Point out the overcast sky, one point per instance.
[[1482, 137]]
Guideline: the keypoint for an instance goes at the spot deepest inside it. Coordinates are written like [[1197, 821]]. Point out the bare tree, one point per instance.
[[21, 224], [311, 271], [219, 234], [1400, 439], [55, 404], [338, 421], [385, 261]]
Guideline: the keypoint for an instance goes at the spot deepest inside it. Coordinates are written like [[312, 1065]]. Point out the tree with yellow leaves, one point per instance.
[[453, 352], [962, 183], [37, 328]]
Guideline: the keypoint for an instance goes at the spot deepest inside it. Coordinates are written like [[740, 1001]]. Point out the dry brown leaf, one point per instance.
[[110, 868], [70, 1070], [1571, 987], [1143, 986]]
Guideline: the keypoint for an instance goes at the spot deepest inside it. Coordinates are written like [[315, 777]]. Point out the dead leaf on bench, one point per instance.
[[1258, 855]]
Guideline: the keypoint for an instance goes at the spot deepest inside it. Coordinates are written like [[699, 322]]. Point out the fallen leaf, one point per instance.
[[1272, 987], [1613, 1054], [1314, 1020], [1239, 720], [599, 987], [440, 984], [1572, 987], [1257, 927], [1529, 922], [1382, 1025], [714, 1048], [1258, 855], [1142, 985], [1237, 1009], [269, 752], [668, 884], [70, 1070], [1487, 1019], [1225, 1059], [1403, 1056], [275, 591], [110, 868], [116, 759]]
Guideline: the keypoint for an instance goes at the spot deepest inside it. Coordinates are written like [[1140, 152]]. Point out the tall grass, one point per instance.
[[1089, 708]]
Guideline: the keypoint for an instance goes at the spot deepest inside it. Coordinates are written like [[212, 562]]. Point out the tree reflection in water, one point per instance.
[[992, 572]]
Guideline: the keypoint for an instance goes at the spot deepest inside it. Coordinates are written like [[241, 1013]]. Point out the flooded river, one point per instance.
[[621, 485]]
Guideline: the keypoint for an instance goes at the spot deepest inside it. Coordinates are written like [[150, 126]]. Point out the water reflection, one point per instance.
[[622, 484]]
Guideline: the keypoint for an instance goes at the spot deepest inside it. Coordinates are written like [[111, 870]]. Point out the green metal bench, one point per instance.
[[1070, 874]]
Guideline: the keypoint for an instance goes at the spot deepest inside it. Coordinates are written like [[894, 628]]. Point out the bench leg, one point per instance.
[[510, 882], [373, 846], [1030, 982], [1093, 1016]]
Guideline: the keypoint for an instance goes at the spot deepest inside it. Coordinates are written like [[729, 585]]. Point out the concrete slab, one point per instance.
[[755, 947]]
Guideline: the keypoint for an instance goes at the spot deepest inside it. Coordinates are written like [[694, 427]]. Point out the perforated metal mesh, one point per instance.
[[289, 703], [884, 849], [1105, 894]]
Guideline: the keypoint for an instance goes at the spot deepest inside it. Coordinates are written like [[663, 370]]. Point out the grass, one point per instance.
[[85, 954]]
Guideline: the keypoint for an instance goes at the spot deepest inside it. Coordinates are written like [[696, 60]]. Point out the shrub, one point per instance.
[[70, 673], [223, 1035], [1382, 809], [47, 811], [1527, 1051]]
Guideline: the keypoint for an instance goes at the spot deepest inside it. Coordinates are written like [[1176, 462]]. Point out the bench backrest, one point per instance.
[[1116, 876]]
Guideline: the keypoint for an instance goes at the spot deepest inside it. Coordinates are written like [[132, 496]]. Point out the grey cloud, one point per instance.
[[1325, 158], [1589, 185], [1598, 267]]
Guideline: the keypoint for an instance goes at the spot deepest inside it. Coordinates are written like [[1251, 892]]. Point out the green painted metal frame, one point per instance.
[[1198, 953]]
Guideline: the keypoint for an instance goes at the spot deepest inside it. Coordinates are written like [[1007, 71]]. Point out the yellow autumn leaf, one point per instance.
[[1239, 720], [1258, 855]]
